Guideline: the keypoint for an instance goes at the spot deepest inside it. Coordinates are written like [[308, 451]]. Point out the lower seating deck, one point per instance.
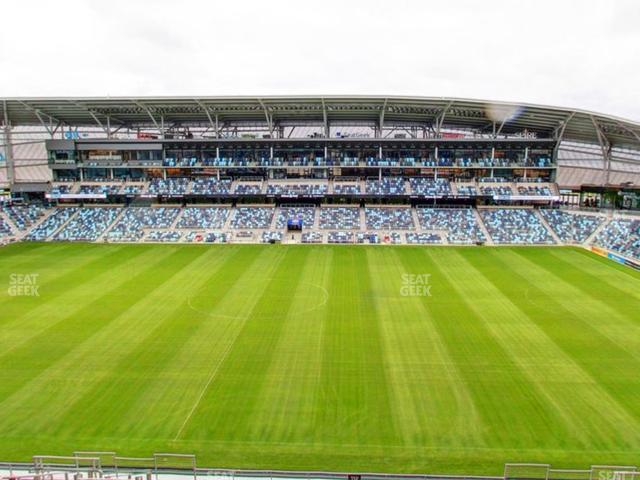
[[326, 224]]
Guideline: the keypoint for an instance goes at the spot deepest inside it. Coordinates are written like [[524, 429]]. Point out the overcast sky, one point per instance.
[[583, 54]]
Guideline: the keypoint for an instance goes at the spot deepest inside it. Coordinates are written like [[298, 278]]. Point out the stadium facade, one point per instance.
[[590, 148], [253, 155]]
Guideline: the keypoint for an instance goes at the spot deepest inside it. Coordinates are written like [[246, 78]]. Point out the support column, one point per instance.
[[8, 152]]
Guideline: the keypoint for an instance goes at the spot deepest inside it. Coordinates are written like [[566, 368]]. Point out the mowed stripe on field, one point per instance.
[[418, 365], [354, 402], [253, 306], [594, 418], [288, 411], [510, 410], [87, 343], [25, 317], [311, 357]]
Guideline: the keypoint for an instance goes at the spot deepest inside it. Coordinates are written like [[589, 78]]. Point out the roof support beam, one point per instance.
[[268, 117], [325, 119], [635, 134], [8, 146], [439, 119], [605, 146], [148, 111], [94, 114], [38, 113], [214, 124], [381, 118], [559, 134]]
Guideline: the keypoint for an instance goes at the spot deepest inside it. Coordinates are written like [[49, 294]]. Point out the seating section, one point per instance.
[[252, 217], [88, 224], [376, 238], [534, 191], [170, 186], [311, 237], [386, 187], [343, 188], [163, 236], [131, 224], [343, 218], [132, 189], [24, 216], [367, 237], [297, 189], [5, 229], [210, 186], [98, 189], [515, 226], [61, 189], [430, 187], [340, 237], [388, 218], [468, 190], [203, 217], [572, 227], [333, 224], [622, 235], [271, 236], [248, 189], [492, 190], [306, 214], [459, 224], [423, 238], [50, 224]]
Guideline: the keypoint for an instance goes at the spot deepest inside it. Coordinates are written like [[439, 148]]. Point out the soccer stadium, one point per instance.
[[318, 287]]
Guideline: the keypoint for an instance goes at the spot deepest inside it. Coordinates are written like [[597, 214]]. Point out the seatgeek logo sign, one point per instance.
[[23, 285], [415, 285]]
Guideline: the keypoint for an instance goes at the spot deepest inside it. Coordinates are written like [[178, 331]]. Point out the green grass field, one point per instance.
[[310, 357]]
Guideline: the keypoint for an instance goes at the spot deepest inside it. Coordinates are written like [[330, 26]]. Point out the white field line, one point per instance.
[[214, 372]]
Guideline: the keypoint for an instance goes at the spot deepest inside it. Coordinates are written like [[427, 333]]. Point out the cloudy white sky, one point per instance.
[[583, 53]]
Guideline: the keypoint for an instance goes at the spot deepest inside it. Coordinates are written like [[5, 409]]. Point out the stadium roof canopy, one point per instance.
[[488, 117]]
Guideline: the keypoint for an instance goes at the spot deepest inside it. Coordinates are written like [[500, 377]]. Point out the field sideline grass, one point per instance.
[[310, 357]]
